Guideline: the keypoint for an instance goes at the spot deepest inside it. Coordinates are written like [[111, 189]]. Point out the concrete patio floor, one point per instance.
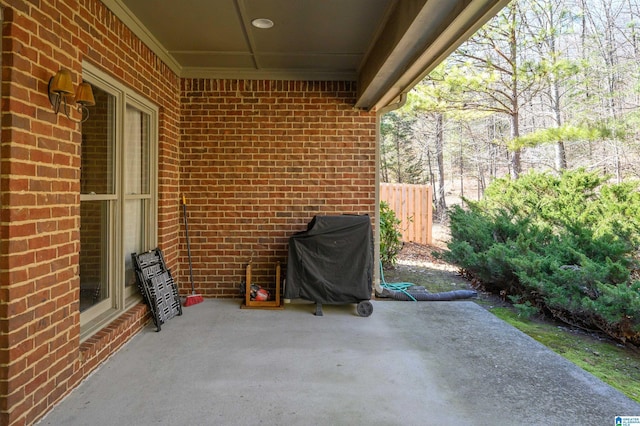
[[424, 363]]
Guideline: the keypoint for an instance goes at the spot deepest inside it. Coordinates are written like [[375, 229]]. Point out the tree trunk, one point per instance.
[[461, 165], [441, 205], [561, 153], [384, 170], [432, 176], [397, 140], [516, 164]]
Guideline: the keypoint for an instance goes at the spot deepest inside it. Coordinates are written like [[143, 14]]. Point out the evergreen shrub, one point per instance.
[[566, 245], [390, 236]]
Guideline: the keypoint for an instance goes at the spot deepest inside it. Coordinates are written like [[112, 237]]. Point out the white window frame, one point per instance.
[[121, 298]]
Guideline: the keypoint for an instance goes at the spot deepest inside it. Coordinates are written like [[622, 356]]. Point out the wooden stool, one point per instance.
[[247, 303]]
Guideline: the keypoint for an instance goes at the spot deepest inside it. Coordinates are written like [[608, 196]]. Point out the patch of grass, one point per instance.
[[433, 280], [610, 362]]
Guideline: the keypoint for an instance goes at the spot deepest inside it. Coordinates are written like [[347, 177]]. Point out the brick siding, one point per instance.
[[258, 160], [41, 358], [255, 159]]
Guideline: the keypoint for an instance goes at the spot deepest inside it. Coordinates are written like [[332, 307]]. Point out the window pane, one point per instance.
[[137, 151], [94, 246], [134, 236], [97, 146]]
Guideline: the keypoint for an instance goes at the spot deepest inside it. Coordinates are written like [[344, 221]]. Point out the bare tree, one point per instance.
[[545, 84], [502, 77]]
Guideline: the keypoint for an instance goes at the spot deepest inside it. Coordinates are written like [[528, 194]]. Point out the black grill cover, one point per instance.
[[332, 261]]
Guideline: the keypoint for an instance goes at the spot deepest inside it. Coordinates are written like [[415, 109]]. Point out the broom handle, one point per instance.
[[186, 230]]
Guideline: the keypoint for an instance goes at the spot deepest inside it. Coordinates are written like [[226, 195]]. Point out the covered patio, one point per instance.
[[259, 127], [425, 363]]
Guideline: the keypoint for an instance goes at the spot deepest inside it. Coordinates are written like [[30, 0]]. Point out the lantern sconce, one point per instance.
[[61, 95]]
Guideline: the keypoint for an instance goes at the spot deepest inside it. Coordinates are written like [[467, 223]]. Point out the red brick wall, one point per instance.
[[255, 159], [41, 358], [258, 160]]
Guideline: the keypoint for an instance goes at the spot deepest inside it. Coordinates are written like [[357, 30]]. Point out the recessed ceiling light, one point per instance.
[[263, 23]]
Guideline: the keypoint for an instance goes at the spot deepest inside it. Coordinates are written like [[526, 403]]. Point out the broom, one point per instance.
[[193, 298]]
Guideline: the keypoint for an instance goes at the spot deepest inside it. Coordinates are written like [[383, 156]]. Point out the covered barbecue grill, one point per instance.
[[332, 262]]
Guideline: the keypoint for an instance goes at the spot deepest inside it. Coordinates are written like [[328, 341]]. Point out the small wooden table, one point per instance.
[[247, 303]]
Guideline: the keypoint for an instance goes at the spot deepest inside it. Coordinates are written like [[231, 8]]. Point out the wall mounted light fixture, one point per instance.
[[61, 95]]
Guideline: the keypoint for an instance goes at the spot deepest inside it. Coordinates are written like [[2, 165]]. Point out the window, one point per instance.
[[118, 213]]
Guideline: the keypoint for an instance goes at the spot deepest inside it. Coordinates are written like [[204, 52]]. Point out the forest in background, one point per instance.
[[547, 85]]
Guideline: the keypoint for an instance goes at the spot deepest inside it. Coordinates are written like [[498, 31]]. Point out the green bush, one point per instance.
[[565, 245], [390, 236]]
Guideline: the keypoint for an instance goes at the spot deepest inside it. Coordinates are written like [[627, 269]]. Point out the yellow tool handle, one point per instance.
[[184, 200]]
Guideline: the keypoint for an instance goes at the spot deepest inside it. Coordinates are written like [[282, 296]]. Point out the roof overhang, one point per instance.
[[387, 46]]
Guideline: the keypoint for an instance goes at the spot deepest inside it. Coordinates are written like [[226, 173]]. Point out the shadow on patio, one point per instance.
[[408, 363]]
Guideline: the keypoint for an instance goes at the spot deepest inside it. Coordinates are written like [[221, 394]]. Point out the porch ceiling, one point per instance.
[[387, 46]]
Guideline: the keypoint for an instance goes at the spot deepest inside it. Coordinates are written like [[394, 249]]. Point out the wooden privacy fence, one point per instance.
[[412, 204]]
